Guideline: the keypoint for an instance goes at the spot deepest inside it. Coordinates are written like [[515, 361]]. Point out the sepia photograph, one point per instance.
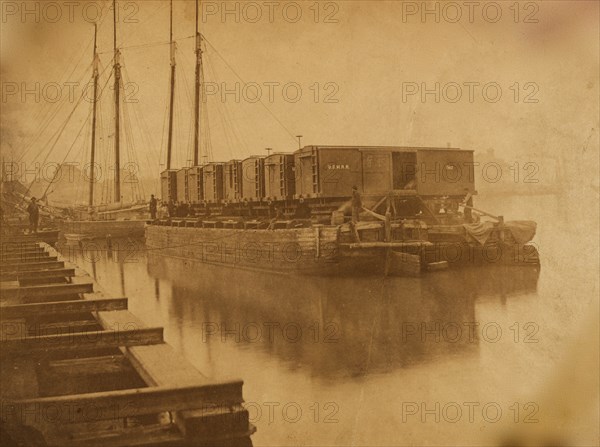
[[300, 223]]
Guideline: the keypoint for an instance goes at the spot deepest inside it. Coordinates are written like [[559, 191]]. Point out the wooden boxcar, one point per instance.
[[168, 185], [213, 182], [182, 185], [253, 178], [332, 171], [195, 185], [448, 172], [233, 181], [280, 182]]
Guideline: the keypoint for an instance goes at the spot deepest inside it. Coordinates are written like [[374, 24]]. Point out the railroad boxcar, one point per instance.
[[168, 185], [182, 185], [195, 185], [280, 182], [233, 180], [332, 171], [213, 180], [253, 178], [447, 172]]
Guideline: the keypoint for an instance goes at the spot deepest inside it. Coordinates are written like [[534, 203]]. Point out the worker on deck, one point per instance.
[[356, 204], [278, 216], [34, 215], [153, 207]]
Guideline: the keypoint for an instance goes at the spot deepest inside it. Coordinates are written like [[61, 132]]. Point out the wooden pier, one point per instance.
[[78, 369]]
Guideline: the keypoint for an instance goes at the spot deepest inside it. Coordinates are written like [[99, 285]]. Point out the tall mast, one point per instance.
[[93, 151], [172, 99], [117, 115], [197, 89]]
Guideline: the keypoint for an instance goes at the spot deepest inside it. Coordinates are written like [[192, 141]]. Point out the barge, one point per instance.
[[416, 213]]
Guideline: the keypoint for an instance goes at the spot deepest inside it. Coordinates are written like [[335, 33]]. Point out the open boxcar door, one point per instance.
[[377, 171]]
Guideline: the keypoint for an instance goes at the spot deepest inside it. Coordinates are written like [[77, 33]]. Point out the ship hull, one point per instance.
[[324, 250], [302, 250], [78, 230]]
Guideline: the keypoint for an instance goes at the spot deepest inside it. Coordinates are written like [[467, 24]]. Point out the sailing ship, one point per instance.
[[290, 212], [117, 219]]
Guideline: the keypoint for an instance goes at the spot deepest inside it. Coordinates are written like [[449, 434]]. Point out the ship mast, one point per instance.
[[172, 98], [93, 150], [117, 68], [197, 89]]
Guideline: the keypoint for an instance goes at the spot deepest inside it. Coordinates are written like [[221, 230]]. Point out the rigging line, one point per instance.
[[130, 146], [63, 79], [205, 117], [59, 135], [189, 145], [144, 130], [68, 152], [150, 44], [260, 100], [233, 127], [45, 125], [79, 190], [124, 37], [162, 140]]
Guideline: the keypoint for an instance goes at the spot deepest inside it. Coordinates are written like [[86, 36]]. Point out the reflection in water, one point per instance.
[[367, 345], [337, 326]]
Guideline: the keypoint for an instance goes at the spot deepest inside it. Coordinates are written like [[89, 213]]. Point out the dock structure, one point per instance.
[[77, 368]]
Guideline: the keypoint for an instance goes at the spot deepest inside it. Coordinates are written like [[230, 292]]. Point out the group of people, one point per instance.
[[162, 209]]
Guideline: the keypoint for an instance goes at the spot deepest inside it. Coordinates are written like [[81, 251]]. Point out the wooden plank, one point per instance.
[[16, 267], [62, 307], [50, 273], [122, 403], [38, 274], [144, 435], [44, 344], [106, 364], [205, 422], [15, 246], [358, 245], [24, 254], [24, 260], [49, 290]]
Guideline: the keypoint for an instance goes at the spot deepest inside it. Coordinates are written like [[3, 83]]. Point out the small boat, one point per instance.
[[81, 230]]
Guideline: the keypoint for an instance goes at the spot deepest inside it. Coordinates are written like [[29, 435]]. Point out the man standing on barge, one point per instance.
[[356, 204], [34, 215]]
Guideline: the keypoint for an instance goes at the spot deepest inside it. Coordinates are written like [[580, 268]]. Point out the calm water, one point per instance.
[[452, 358]]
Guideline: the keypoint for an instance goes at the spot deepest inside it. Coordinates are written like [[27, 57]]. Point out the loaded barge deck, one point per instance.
[[412, 211], [78, 368]]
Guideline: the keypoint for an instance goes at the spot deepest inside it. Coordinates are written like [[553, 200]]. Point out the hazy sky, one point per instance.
[[361, 68]]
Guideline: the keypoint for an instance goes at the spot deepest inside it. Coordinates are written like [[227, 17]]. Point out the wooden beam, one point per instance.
[[106, 364], [14, 246], [387, 245], [155, 435], [38, 274], [25, 260], [44, 344], [92, 407], [62, 307], [11, 258], [24, 252], [49, 290], [9, 268]]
